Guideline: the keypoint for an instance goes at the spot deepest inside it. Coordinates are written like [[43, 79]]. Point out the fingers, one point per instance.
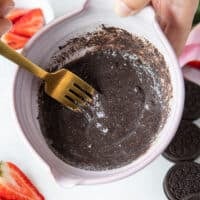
[[5, 7], [4, 26], [136, 4], [177, 36], [175, 18], [128, 7]]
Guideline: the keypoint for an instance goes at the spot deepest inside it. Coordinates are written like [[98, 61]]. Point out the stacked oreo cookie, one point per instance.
[[182, 181]]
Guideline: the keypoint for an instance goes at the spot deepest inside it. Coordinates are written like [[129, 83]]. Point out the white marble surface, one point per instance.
[[145, 185]]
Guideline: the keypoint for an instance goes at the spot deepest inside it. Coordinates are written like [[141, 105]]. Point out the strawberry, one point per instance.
[[14, 185], [29, 23], [194, 64], [15, 14], [14, 41]]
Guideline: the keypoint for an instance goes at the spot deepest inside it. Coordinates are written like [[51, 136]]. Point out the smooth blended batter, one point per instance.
[[134, 89]]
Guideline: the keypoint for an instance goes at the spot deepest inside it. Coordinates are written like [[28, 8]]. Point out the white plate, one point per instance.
[[145, 185]]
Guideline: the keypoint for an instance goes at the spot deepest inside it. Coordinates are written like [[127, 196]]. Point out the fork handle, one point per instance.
[[20, 60]]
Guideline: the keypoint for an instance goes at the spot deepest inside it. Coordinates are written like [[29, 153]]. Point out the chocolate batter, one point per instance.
[[133, 87]]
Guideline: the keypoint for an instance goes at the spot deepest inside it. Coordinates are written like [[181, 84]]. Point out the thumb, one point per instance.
[[5, 7], [128, 7], [4, 26]]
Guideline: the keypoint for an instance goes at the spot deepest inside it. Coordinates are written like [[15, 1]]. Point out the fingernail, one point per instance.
[[122, 9]]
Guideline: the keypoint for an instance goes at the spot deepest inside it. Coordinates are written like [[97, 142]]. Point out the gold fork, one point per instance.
[[62, 85]]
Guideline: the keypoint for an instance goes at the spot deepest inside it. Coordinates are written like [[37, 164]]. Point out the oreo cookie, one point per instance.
[[192, 101], [186, 144], [193, 197], [182, 180]]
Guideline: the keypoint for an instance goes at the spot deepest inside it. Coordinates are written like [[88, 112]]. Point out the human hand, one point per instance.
[[5, 7], [174, 16]]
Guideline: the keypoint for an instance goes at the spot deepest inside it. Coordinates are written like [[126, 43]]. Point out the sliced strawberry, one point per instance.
[[16, 14], [29, 24], [14, 185], [195, 64], [14, 41]]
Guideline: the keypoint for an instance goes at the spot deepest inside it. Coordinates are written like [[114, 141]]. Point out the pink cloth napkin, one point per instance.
[[190, 58]]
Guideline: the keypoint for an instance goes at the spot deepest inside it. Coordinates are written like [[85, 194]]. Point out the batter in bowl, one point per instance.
[[132, 104]]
